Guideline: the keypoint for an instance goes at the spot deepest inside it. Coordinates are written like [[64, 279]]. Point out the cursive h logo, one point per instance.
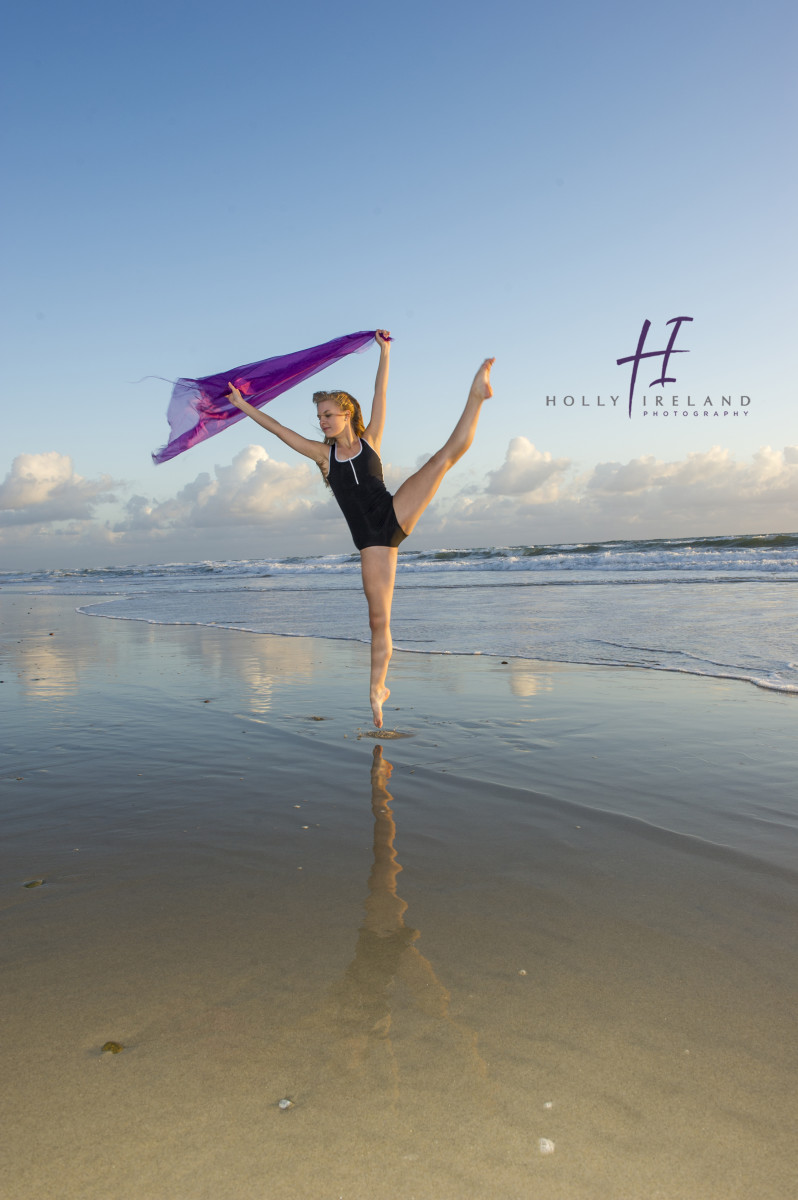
[[665, 354]]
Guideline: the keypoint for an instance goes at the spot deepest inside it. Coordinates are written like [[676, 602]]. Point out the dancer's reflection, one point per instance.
[[358, 1012]]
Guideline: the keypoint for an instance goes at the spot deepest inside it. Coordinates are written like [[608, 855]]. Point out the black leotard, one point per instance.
[[358, 486]]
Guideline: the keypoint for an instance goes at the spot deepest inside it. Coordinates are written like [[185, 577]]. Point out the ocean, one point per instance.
[[723, 606]]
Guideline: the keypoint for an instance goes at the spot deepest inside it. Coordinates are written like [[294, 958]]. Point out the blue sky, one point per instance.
[[196, 186]]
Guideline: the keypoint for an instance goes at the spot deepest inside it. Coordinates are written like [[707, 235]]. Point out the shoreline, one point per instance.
[[779, 689], [572, 889], [633, 704]]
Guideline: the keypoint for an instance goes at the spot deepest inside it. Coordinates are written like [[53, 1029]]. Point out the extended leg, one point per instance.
[[416, 492], [378, 564]]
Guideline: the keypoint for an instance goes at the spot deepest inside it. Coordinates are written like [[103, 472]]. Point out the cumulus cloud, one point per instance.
[[626, 478], [41, 488], [710, 479], [530, 498], [703, 493], [252, 490], [525, 469]]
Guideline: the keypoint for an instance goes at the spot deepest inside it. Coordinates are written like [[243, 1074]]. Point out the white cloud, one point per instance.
[[712, 481], [701, 494], [525, 469], [252, 490], [257, 506], [626, 478], [41, 488]]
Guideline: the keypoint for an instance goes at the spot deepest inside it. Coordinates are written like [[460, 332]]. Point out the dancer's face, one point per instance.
[[332, 419]]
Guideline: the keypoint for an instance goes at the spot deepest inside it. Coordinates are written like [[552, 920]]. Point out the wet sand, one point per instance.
[[544, 945]]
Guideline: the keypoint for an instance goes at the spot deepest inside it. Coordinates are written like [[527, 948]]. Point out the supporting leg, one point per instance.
[[378, 565], [416, 492]]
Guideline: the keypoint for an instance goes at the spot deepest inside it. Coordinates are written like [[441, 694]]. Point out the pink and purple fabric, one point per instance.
[[198, 408]]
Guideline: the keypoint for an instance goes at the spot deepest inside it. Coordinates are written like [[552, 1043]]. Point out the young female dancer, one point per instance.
[[349, 461]]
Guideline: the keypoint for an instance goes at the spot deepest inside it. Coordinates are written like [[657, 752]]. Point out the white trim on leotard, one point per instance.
[[351, 461]]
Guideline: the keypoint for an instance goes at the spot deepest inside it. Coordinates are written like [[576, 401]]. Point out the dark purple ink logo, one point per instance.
[[655, 406], [665, 355]]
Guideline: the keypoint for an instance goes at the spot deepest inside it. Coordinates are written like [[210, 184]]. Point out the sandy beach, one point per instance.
[[538, 941]]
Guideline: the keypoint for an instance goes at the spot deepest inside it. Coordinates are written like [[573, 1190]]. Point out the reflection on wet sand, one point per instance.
[[386, 953], [389, 998], [46, 672], [225, 658], [46, 660], [52, 668], [261, 664], [527, 679]]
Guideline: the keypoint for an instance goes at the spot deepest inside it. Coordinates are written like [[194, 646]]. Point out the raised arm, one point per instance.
[[376, 425], [318, 451]]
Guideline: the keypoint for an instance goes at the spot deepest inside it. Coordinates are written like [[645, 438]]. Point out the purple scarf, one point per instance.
[[198, 409]]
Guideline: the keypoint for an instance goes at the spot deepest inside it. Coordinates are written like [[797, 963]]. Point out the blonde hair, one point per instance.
[[347, 404]]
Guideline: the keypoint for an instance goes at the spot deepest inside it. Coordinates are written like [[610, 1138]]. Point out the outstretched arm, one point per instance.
[[376, 425], [318, 451]]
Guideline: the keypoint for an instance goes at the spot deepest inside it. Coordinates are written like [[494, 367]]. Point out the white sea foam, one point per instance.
[[716, 558]]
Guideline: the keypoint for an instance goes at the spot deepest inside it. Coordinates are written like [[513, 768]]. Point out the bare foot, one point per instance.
[[378, 698], [480, 388]]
